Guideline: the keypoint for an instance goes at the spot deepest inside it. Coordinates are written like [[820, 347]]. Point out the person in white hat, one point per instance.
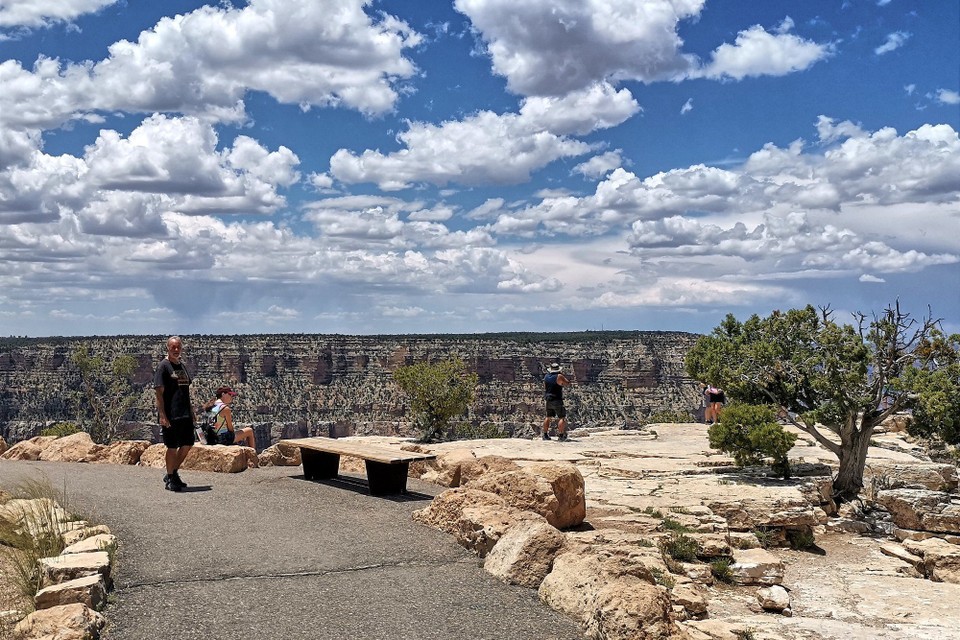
[[553, 384]]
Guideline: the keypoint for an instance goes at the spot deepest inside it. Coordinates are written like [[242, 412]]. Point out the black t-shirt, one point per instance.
[[551, 387], [175, 381]]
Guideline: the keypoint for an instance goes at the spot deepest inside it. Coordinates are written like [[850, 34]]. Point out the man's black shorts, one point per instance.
[[178, 434], [555, 409]]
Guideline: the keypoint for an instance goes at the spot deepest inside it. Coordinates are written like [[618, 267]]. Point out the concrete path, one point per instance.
[[266, 554]]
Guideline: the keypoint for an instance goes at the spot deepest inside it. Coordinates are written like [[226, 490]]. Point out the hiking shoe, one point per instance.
[[546, 436], [170, 484], [176, 478], [562, 437]]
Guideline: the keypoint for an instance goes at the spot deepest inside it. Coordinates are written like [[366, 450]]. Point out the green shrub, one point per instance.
[[61, 429], [483, 431], [662, 578], [681, 547], [438, 393], [750, 433], [669, 524], [720, 569], [801, 539]]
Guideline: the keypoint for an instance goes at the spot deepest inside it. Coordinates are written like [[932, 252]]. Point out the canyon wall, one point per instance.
[[339, 385]]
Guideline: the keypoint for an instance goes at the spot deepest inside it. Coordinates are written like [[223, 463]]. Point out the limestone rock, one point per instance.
[[921, 509], [791, 510], [915, 475], [899, 552], [99, 542], [75, 536], [711, 545], [75, 565], [64, 622], [35, 516], [691, 598], [773, 598], [470, 470], [282, 454], [941, 560], [76, 447], [446, 469], [555, 491], [28, 449], [90, 591], [524, 554], [610, 597], [3, 445], [482, 526], [446, 510], [219, 458], [756, 566], [120, 452], [742, 540]]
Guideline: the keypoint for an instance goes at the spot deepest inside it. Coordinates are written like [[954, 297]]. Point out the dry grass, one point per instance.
[[34, 532]]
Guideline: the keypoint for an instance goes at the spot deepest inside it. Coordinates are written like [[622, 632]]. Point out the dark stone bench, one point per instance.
[[386, 467]]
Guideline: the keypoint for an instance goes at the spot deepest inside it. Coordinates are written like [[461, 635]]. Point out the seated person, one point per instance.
[[223, 425]]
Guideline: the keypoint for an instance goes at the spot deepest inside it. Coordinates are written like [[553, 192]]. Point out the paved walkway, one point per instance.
[[265, 554]]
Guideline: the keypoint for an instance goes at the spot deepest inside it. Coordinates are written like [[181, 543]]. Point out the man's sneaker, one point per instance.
[[546, 436], [562, 437], [170, 484], [176, 478]]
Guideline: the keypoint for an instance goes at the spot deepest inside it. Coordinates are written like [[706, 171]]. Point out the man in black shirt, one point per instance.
[[553, 384], [174, 411]]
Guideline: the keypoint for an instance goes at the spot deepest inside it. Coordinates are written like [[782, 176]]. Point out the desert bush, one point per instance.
[[680, 547], [61, 429], [750, 433]]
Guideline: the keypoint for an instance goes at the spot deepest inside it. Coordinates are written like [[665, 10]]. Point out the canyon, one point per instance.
[[294, 385]]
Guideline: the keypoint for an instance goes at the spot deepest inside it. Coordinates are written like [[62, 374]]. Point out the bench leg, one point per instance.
[[386, 479], [319, 465]]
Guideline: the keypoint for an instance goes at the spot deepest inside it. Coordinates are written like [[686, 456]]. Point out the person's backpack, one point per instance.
[[207, 427]]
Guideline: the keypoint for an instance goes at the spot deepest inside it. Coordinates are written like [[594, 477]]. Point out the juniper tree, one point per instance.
[[843, 378]]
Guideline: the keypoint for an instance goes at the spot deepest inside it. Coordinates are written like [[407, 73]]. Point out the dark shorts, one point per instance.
[[717, 397], [227, 438], [179, 434], [555, 409]]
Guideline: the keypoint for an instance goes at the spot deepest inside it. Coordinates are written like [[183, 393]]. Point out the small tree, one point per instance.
[[844, 378], [750, 433], [438, 393], [108, 392]]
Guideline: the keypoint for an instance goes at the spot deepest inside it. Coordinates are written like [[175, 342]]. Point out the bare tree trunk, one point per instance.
[[853, 458]]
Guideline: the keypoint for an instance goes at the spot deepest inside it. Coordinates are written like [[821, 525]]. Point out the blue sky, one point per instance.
[[338, 166]]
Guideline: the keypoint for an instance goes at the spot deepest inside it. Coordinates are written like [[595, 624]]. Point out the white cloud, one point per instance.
[[303, 52], [42, 13], [870, 278], [601, 165], [551, 47], [687, 106], [946, 96], [893, 42], [487, 148], [757, 52]]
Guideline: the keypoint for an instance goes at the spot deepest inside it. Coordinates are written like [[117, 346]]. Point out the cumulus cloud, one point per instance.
[[756, 52], [854, 167], [42, 13], [122, 185], [303, 52], [687, 106], [601, 165], [545, 47], [946, 96], [489, 148], [893, 42]]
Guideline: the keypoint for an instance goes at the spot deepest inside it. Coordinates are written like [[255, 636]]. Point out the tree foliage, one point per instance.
[[840, 377], [750, 433], [438, 393], [108, 392]]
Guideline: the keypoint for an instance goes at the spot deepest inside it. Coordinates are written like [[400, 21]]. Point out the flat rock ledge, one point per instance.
[[73, 585]]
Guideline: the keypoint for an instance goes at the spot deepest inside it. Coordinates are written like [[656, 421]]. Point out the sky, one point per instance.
[[472, 166]]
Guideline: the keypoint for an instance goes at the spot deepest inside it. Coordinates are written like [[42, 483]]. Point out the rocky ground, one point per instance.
[[843, 587]]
